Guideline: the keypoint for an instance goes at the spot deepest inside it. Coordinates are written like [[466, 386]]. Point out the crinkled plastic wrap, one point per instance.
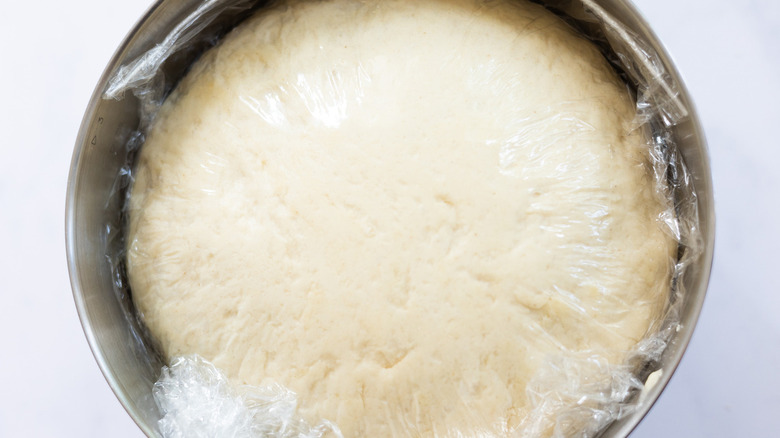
[[577, 391], [196, 400]]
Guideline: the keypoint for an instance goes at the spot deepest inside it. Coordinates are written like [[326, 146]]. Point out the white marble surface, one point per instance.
[[54, 52]]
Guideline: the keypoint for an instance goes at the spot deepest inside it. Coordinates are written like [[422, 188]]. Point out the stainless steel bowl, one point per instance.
[[94, 215]]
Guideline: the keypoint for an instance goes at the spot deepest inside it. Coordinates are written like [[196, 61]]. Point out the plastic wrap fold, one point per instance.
[[196, 400], [579, 385]]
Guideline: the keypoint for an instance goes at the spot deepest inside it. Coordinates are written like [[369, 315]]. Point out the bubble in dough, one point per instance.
[[401, 210]]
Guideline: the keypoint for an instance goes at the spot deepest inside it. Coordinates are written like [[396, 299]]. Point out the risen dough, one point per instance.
[[402, 210]]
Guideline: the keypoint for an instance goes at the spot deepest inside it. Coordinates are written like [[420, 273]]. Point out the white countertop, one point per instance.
[[54, 52]]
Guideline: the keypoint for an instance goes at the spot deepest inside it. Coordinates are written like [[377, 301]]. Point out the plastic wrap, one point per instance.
[[196, 400], [576, 390], [145, 76]]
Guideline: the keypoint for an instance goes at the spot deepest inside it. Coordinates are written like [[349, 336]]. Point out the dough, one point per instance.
[[402, 210]]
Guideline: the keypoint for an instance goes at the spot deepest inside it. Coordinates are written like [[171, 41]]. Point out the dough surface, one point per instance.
[[401, 210]]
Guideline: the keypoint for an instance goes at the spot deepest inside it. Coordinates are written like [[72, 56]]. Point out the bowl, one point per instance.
[[98, 182]]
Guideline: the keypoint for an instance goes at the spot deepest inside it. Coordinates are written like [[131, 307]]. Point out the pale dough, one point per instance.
[[399, 209]]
